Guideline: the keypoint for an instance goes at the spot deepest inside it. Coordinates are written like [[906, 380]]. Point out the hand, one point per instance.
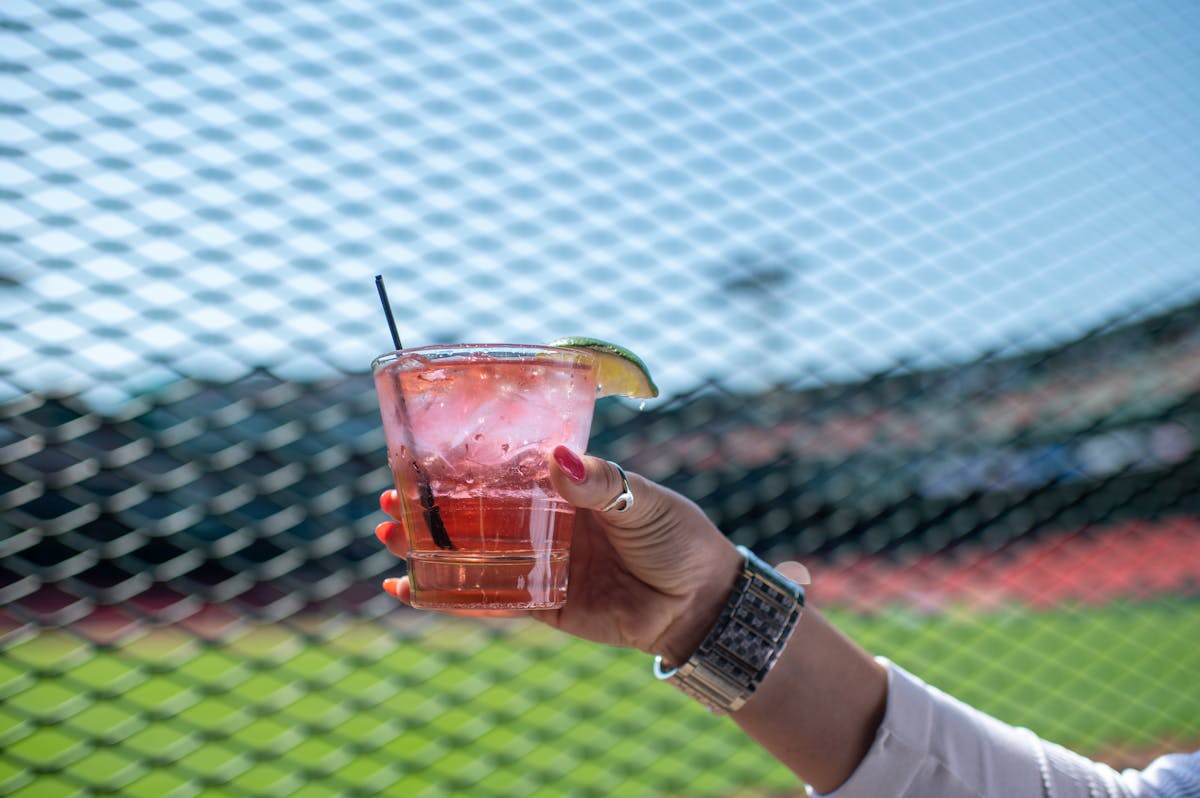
[[653, 578]]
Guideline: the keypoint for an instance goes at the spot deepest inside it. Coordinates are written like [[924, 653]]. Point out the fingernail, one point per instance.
[[381, 531], [392, 587], [570, 463]]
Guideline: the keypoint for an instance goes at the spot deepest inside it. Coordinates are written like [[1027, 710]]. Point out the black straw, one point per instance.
[[387, 311], [433, 515]]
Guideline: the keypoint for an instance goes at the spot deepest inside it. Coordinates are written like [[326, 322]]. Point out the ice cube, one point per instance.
[[438, 375], [530, 463]]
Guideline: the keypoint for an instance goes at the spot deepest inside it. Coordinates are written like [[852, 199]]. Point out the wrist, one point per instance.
[[742, 647], [701, 610]]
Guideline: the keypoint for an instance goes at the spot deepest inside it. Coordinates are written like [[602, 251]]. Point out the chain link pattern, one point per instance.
[[918, 281]]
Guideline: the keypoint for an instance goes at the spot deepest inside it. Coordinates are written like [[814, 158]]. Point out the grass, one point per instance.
[[450, 707]]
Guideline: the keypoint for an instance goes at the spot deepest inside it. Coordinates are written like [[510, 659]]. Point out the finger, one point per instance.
[[391, 534], [389, 502], [592, 483], [398, 588], [795, 571]]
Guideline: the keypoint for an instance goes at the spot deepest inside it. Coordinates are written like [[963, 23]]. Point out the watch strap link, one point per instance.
[[745, 642]]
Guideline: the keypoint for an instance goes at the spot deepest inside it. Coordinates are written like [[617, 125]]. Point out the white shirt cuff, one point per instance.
[[932, 744]]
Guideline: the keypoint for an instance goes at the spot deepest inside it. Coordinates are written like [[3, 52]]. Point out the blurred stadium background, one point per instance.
[[920, 282]]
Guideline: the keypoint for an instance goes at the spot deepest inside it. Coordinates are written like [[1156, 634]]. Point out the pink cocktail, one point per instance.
[[470, 429]]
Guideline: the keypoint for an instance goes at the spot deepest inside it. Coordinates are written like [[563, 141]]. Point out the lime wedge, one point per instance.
[[619, 372]]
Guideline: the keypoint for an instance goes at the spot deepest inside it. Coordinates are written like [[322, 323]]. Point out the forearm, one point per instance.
[[839, 718], [819, 708], [858, 727]]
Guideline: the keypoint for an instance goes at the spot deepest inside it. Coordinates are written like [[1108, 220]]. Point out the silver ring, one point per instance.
[[624, 499]]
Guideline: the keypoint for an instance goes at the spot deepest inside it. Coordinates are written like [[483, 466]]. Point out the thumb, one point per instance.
[[594, 484]]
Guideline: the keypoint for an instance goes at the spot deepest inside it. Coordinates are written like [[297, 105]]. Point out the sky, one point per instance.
[[745, 193]]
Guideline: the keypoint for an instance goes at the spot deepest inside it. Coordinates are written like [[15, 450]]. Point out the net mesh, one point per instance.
[[918, 281]]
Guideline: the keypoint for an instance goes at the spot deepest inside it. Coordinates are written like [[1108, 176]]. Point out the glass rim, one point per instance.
[[509, 351]]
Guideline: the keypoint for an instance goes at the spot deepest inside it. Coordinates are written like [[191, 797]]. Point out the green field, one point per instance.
[[442, 707]]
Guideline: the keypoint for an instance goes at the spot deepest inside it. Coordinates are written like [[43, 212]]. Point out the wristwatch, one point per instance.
[[745, 642]]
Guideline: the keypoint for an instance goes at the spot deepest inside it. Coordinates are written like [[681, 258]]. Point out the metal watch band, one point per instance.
[[744, 643]]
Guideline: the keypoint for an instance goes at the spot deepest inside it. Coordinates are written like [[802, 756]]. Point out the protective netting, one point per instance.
[[919, 282]]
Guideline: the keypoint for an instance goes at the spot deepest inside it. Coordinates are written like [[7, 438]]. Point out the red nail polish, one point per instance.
[[570, 463], [392, 587]]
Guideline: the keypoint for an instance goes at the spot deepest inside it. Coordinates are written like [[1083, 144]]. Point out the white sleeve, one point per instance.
[[931, 745]]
